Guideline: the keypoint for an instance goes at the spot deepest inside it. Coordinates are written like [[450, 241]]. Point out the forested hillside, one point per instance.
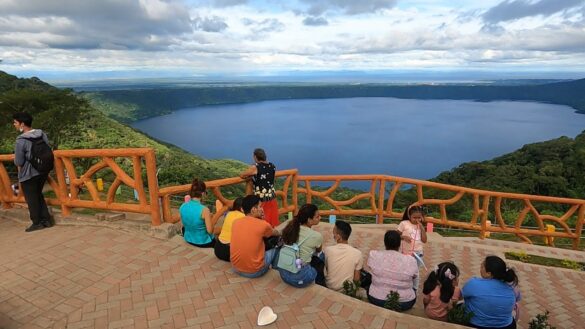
[[72, 123], [154, 101]]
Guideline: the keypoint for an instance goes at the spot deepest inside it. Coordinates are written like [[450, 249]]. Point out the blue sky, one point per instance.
[[68, 38]]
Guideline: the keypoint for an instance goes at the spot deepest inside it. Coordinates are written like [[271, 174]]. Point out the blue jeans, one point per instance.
[[404, 306], [268, 257], [304, 277]]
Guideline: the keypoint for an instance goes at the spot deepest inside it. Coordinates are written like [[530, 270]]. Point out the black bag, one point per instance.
[[41, 155]]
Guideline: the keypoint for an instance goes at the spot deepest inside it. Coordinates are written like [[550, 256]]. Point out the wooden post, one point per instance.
[[152, 187]]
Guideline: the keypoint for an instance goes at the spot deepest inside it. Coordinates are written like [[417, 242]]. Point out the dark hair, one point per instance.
[[411, 210], [23, 117], [197, 188], [260, 154], [249, 202], [440, 276], [291, 232], [343, 228], [392, 240], [499, 271], [237, 205]]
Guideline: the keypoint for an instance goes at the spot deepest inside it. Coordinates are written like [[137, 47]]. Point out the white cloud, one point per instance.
[[233, 36]]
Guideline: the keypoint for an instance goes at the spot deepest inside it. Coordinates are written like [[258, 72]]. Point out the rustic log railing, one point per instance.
[[379, 201], [283, 194], [68, 181]]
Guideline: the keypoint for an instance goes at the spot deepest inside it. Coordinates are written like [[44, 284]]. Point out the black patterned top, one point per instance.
[[264, 181]]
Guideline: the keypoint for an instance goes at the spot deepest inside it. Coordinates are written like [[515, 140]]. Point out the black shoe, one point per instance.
[[34, 227], [48, 223]]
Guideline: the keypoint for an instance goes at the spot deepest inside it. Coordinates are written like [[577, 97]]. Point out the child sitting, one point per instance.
[[441, 291]]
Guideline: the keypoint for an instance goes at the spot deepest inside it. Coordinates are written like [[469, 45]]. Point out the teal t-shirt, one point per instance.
[[194, 224]]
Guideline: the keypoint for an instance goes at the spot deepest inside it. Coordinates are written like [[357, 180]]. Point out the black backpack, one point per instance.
[[41, 155]]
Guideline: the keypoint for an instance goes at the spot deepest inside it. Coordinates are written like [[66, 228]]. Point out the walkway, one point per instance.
[[84, 277]]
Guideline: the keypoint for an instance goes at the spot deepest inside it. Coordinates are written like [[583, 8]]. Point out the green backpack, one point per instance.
[[288, 255]]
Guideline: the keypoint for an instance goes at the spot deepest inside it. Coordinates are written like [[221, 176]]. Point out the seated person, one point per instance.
[[298, 231], [392, 271], [342, 261], [196, 218], [441, 291], [247, 254], [222, 245], [492, 297]]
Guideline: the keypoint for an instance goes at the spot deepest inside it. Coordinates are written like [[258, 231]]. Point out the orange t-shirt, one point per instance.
[[247, 244]]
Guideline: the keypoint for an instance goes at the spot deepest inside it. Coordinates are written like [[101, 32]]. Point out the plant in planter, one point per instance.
[[351, 288], [459, 315], [540, 322], [392, 301]]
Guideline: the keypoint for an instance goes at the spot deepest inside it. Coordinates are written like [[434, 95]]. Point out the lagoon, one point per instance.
[[400, 137]]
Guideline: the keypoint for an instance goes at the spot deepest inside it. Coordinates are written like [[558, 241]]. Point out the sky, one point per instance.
[[188, 38]]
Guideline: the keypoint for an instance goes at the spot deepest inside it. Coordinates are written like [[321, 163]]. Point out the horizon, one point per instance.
[[368, 40]]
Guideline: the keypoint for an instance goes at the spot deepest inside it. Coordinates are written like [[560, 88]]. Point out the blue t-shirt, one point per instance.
[[491, 301], [194, 224]]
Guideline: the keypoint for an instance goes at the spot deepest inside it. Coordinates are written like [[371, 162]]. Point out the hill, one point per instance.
[[72, 123], [154, 101], [553, 168]]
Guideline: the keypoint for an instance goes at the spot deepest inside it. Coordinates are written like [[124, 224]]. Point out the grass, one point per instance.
[[546, 261]]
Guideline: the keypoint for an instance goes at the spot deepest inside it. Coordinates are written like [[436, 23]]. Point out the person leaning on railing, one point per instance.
[[222, 245], [196, 218]]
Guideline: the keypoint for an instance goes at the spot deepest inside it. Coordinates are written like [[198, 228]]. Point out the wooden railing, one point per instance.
[[380, 198], [282, 194], [69, 182], [485, 205]]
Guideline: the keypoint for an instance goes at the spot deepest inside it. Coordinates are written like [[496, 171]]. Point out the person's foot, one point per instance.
[[34, 227], [48, 223]]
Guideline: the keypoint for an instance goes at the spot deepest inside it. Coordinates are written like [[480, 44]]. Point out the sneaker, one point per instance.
[[34, 227]]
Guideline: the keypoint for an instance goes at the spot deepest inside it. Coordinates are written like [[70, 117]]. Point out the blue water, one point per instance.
[[401, 137]]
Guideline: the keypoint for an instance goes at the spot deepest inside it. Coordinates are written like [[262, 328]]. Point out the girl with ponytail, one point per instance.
[[492, 297], [441, 290], [298, 231], [196, 218]]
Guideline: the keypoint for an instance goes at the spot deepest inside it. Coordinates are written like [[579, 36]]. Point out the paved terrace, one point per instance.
[[87, 276]]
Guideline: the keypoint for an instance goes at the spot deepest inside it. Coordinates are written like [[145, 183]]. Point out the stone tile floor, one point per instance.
[[97, 277]]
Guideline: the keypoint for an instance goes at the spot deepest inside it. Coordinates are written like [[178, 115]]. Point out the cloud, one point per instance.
[[264, 26], [315, 21], [228, 3], [210, 24], [349, 7], [123, 24], [515, 9]]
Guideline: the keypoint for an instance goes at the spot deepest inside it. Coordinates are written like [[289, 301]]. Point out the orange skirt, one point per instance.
[[271, 212]]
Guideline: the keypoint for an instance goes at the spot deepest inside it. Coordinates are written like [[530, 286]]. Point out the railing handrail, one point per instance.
[[380, 200]]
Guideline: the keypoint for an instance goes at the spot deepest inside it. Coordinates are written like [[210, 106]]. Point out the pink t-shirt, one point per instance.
[[413, 231], [392, 271], [434, 306]]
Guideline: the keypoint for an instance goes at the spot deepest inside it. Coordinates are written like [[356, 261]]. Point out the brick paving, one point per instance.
[[96, 277]]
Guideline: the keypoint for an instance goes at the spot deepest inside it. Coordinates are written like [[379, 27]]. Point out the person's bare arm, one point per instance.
[[251, 171], [206, 215], [423, 233], [356, 275]]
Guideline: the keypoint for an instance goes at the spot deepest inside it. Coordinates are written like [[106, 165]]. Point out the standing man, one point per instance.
[[247, 248], [262, 174], [29, 177], [342, 261]]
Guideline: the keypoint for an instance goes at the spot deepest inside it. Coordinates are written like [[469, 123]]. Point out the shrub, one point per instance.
[[393, 301], [540, 322]]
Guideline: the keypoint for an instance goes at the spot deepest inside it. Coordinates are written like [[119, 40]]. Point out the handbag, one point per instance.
[[288, 255]]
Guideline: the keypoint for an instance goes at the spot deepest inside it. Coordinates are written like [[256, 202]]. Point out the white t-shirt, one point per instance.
[[341, 260], [413, 231]]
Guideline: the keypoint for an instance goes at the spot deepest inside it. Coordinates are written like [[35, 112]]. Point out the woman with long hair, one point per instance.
[[298, 233]]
